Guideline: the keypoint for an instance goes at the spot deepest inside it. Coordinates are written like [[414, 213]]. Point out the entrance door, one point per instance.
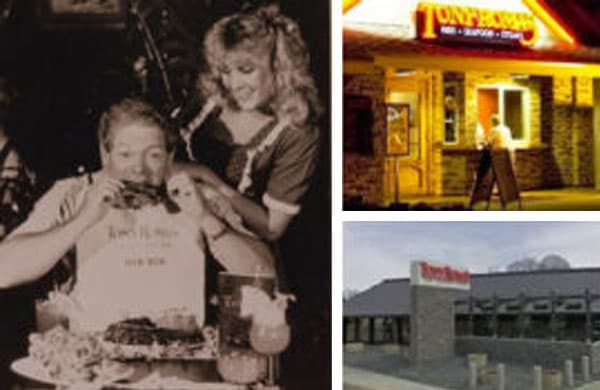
[[487, 105], [405, 170]]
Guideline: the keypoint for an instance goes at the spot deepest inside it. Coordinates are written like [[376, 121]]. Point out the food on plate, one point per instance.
[[178, 320], [143, 331], [71, 357], [143, 338]]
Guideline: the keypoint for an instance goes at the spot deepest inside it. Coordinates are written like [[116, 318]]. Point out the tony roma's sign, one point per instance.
[[446, 22], [425, 273]]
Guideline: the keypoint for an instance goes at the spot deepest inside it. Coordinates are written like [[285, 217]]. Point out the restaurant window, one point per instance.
[[451, 113], [364, 330], [350, 330], [358, 124], [510, 103]]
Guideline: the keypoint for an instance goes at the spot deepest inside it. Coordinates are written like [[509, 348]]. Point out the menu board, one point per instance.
[[495, 169]]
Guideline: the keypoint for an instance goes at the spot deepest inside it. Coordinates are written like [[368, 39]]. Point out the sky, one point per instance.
[[374, 251]]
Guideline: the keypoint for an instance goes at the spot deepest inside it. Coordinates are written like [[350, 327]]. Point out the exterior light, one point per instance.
[[404, 72]]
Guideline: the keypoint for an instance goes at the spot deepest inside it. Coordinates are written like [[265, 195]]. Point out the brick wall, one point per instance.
[[459, 167], [534, 169], [431, 323], [561, 139], [568, 130], [363, 175], [362, 178], [559, 154], [583, 125]]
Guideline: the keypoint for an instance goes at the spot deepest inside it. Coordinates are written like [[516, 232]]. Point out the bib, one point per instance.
[[138, 263]]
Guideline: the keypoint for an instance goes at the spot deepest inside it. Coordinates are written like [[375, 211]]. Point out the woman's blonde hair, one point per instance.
[[295, 97]]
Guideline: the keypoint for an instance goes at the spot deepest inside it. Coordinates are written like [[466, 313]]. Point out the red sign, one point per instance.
[[455, 22], [444, 274]]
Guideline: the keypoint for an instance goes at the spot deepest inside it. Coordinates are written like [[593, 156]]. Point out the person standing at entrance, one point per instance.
[[501, 137]]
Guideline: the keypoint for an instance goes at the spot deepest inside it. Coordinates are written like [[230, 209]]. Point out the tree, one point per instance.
[[349, 293]]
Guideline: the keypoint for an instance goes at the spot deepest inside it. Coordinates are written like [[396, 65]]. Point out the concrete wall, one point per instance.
[[530, 351], [431, 323]]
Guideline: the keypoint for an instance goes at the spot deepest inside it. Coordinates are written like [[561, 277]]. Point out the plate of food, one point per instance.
[[62, 358], [168, 337], [103, 375]]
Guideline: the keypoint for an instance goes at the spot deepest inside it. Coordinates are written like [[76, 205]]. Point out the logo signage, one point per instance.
[[425, 273], [445, 22]]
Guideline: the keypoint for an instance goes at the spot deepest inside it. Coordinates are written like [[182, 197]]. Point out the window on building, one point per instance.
[[514, 113], [350, 330], [364, 330], [451, 113], [510, 103], [358, 124]]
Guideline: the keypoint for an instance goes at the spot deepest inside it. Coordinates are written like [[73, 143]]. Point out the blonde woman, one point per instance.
[[256, 140]]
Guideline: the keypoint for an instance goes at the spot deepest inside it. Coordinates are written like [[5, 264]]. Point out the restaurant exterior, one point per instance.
[[531, 316], [423, 79]]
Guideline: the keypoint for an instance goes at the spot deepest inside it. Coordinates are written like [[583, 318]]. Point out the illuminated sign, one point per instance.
[[425, 273], [455, 22]]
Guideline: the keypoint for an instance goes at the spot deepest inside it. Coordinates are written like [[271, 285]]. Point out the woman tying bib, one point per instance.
[[140, 234]]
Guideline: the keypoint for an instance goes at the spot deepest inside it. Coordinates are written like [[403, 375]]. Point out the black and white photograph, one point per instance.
[[165, 194]]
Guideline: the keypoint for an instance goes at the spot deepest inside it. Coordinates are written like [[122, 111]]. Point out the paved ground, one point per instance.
[[359, 379], [380, 369], [560, 199], [590, 386]]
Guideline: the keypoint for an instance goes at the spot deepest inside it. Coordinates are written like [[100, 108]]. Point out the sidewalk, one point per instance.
[[555, 199], [358, 379], [590, 386]]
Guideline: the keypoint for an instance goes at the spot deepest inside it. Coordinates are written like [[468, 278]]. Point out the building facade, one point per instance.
[[423, 80], [560, 305]]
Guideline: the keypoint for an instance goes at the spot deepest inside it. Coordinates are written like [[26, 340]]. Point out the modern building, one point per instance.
[[422, 81], [560, 305]]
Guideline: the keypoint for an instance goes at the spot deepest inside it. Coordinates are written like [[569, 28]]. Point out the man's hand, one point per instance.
[[182, 190], [97, 199]]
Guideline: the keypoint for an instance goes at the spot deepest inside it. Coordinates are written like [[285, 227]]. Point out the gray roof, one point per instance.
[[391, 297]]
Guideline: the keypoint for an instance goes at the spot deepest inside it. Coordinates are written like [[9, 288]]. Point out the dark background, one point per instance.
[[65, 77]]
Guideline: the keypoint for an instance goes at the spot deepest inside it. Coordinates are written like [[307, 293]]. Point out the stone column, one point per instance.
[[431, 323]]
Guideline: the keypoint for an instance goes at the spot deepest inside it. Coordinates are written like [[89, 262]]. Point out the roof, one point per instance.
[[391, 297], [362, 45]]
